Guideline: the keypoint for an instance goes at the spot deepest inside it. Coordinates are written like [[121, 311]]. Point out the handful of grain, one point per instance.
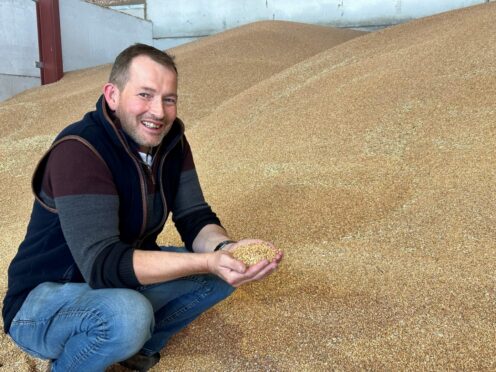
[[253, 253]]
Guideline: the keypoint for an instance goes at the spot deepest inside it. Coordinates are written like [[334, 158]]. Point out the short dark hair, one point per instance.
[[119, 74]]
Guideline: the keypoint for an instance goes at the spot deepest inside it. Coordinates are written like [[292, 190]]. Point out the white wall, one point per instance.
[[193, 18], [94, 35], [19, 46], [134, 10]]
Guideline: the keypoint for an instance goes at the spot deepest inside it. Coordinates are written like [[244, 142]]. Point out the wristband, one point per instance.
[[223, 244]]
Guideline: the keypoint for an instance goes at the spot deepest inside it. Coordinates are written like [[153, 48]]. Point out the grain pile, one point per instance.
[[253, 253], [370, 163]]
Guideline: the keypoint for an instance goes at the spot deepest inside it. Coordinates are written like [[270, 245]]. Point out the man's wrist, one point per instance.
[[223, 243]]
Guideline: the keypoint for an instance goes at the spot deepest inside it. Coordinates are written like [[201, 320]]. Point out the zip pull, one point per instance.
[[152, 177], [149, 172]]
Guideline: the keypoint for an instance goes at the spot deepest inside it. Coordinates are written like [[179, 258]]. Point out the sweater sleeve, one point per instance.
[[190, 211], [80, 186]]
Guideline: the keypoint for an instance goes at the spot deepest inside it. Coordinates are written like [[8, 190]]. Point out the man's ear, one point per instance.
[[111, 94]]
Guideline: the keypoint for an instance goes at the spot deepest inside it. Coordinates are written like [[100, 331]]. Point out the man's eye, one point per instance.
[[170, 100], [144, 95]]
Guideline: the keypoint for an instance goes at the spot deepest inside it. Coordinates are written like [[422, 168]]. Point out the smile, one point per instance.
[[151, 125]]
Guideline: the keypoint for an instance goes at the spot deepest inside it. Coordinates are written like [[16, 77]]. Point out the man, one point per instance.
[[89, 285]]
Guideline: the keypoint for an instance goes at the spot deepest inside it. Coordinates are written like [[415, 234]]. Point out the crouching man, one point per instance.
[[89, 285]]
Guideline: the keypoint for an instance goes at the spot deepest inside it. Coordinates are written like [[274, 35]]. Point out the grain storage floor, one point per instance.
[[370, 162]]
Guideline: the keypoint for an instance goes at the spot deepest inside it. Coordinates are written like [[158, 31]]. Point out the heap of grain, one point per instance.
[[253, 253], [371, 163]]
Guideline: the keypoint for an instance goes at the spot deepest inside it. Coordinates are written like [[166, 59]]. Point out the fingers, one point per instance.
[[228, 262], [256, 272], [265, 271]]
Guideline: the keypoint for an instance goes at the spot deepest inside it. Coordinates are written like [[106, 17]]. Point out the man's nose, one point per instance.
[[157, 109]]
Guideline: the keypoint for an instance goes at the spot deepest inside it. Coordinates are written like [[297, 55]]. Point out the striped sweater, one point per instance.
[[96, 201]]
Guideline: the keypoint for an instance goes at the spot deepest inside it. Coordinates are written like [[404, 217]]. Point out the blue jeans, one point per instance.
[[84, 329]]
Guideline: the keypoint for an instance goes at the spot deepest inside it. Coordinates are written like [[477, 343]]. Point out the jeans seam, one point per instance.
[[83, 355]]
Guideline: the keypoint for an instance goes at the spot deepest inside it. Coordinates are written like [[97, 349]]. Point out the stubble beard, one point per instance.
[[132, 129]]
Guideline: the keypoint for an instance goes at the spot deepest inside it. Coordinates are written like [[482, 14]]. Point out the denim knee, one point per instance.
[[219, 286], [130, 318]]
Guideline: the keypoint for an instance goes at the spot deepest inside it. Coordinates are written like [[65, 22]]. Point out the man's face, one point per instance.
[[146, 106]]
